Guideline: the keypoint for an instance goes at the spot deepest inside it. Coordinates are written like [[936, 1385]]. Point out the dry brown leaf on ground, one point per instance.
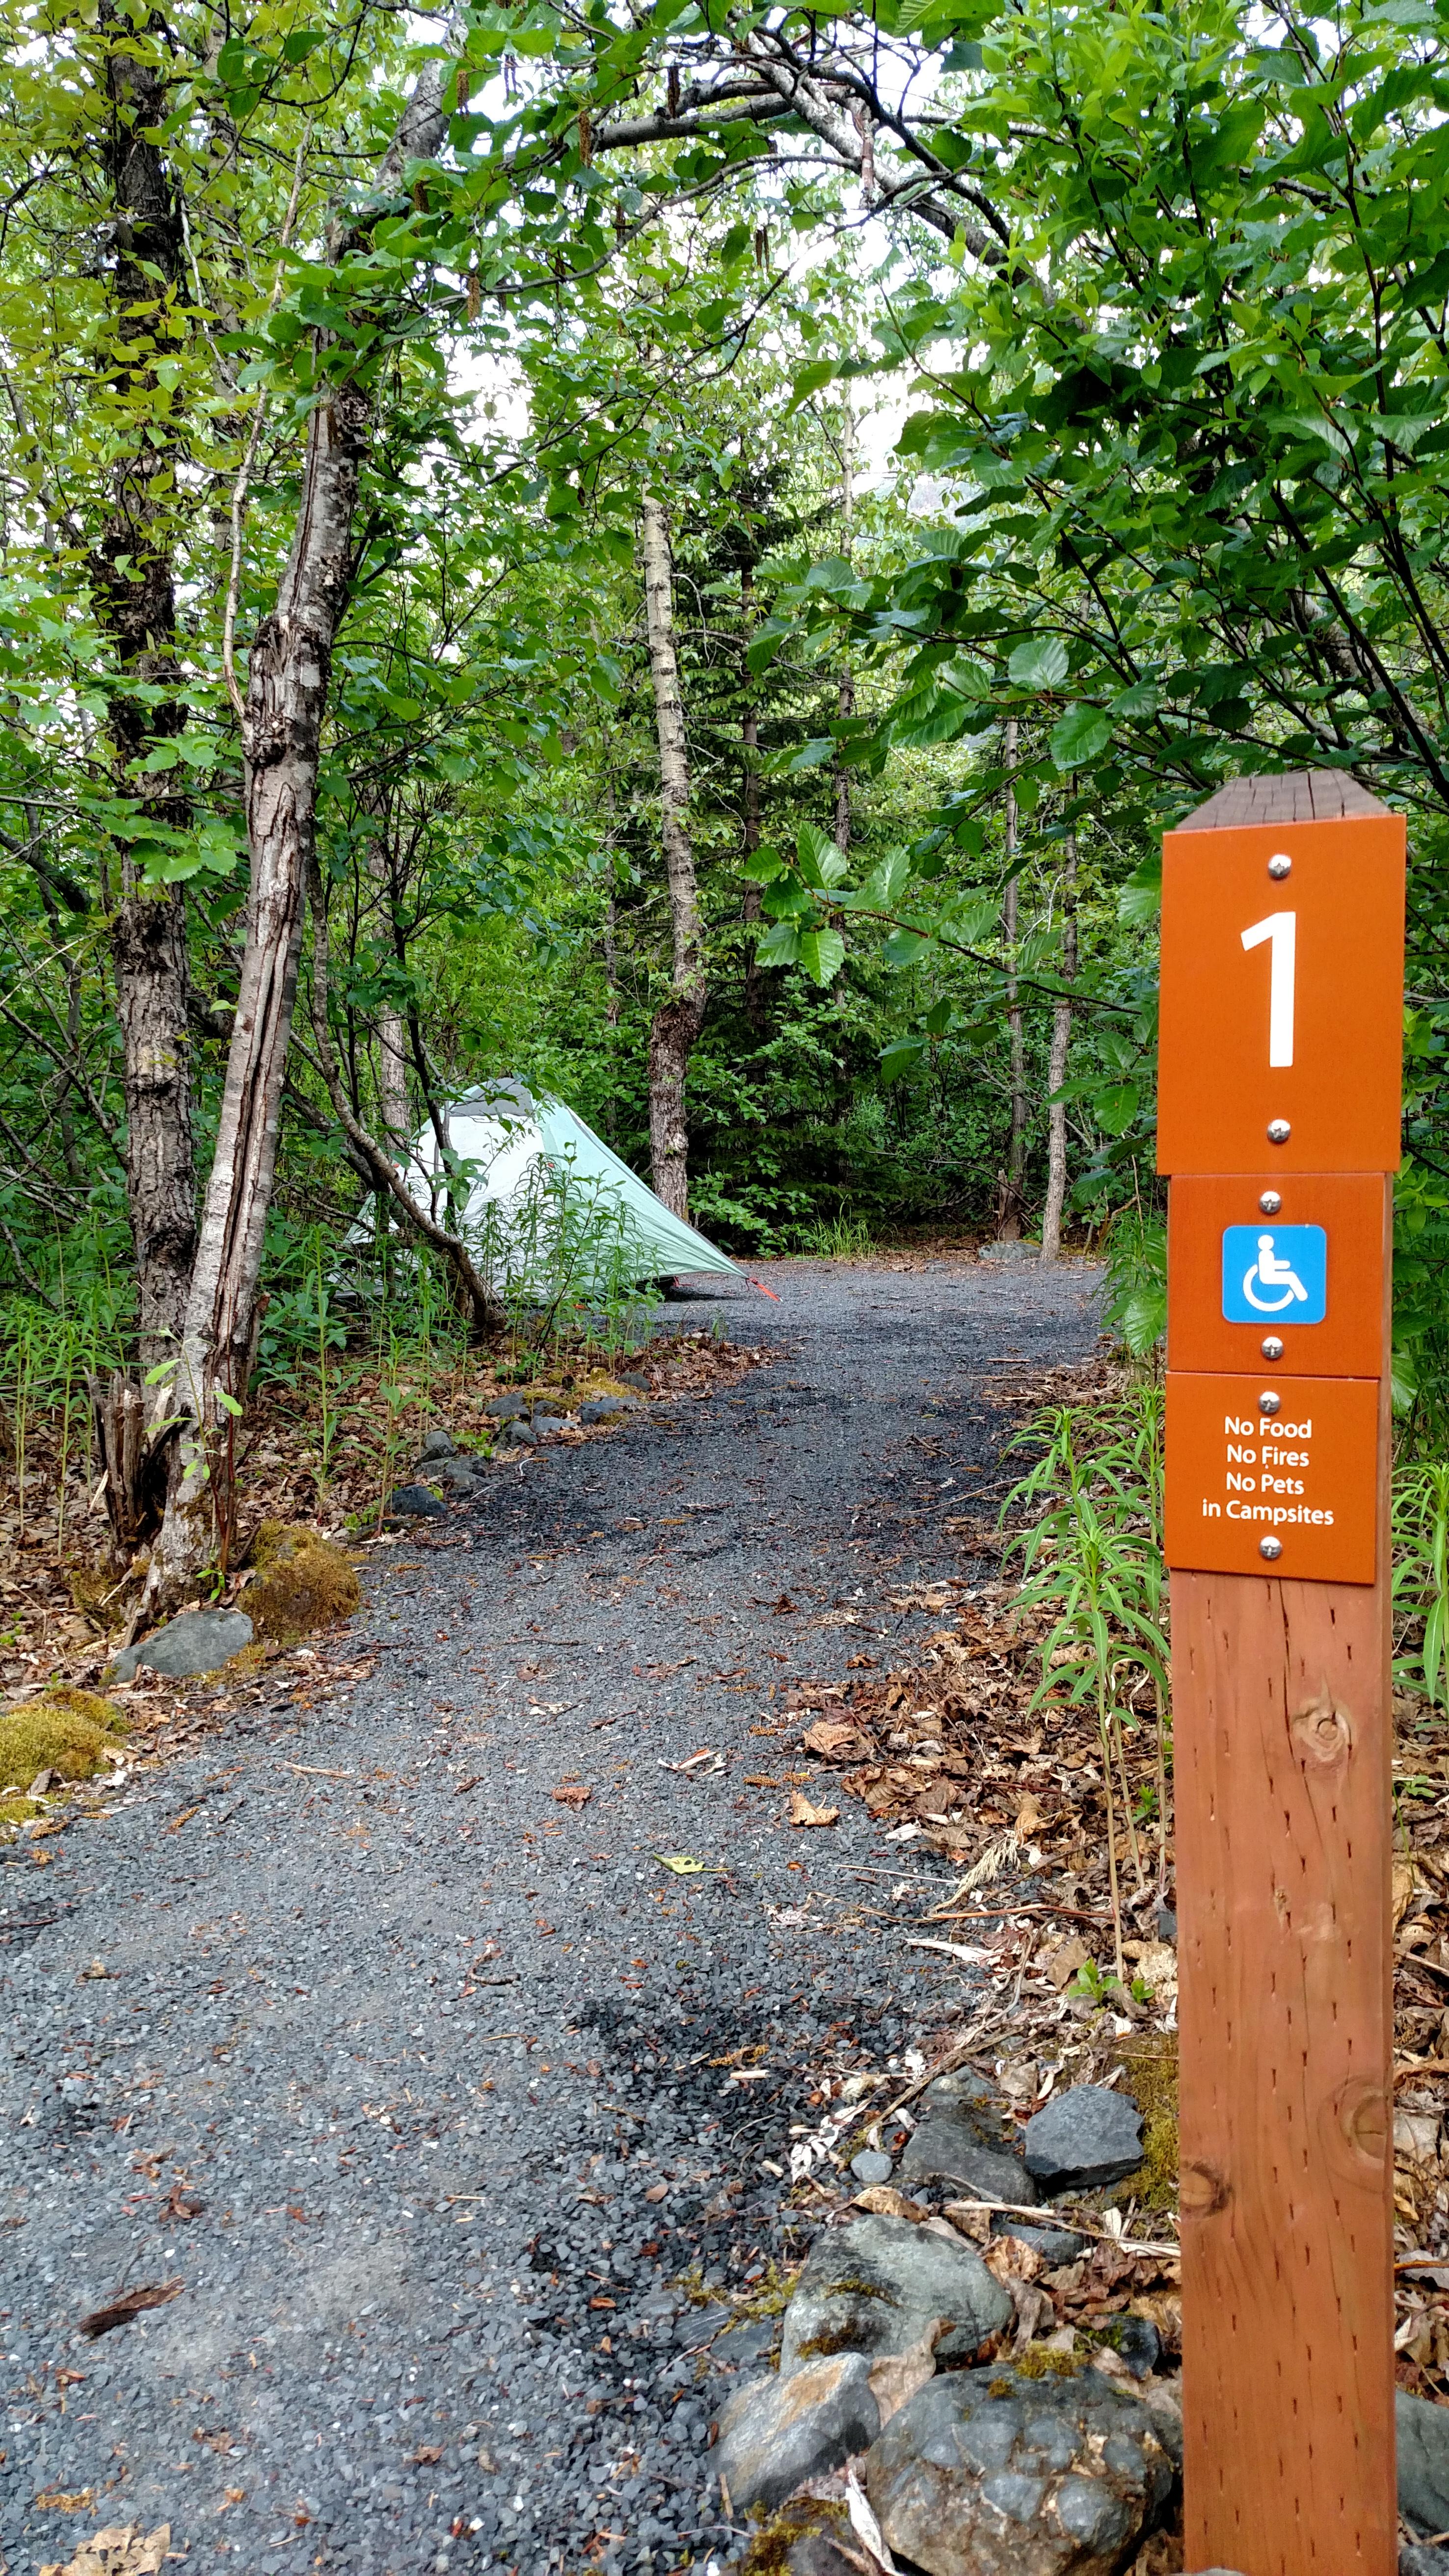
[[572, 1793], [802, 1813], [127, 2306], [117, 2551]]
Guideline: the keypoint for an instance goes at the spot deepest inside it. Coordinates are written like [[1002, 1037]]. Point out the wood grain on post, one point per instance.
[[1282, 1764]]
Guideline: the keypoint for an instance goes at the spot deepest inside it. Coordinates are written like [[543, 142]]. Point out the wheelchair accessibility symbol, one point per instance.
[[1278, 1271]]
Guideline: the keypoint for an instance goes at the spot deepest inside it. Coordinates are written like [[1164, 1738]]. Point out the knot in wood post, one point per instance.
[[1322, 1734]]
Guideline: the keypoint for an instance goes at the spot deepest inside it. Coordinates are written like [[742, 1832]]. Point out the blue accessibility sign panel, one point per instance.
[[1279, 1271]]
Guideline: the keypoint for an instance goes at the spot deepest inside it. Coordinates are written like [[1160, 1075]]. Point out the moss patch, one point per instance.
[[852, 2287], [825, 2345], [1039, 2362], [1151, 2079], [56, 1732], [769, 2552], [19, 1811], [303, 1583], [81, 1703]]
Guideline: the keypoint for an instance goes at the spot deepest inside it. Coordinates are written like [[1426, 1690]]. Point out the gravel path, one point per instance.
[[439, 2054]]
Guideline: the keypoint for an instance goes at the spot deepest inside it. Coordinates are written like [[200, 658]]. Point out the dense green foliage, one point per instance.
[[1168, 294]]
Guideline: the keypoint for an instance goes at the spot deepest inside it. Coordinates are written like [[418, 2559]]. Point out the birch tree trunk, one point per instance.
[[678, 1021], [1013, 1176], [286, 698], [752, 910], [1056, 1191], [845, 703]]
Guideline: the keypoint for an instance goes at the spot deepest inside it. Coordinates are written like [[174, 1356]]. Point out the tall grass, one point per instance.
[[47, 1354], [1092, 1559], [1421, 1578], [1135, 1300]]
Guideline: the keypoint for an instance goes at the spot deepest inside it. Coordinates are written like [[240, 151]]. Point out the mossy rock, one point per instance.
[[303, 1583], [64, 1730]]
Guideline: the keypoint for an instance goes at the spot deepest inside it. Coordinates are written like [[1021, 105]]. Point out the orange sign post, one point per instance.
[[1279, 1107]]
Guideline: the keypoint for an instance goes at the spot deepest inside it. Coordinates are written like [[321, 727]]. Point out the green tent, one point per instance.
[[517, 1148]]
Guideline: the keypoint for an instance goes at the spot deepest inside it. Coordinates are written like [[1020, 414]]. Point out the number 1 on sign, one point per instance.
[[1281, 931]]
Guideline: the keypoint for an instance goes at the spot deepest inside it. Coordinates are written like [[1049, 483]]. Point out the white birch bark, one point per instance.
[[1056, 1190], [678, 1021]]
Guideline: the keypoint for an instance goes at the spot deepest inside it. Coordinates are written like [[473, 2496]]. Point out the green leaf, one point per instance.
[[1143, 1319], [899, 1056], [1139, 901], [1115, 1106], [1082, 734], [780, 945], [1039, 664], [822, 954], [763, 866], [819, 861], [904, 946], [785, 898]]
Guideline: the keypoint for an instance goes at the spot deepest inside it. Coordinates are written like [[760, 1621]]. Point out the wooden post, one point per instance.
[[1278, 1476]]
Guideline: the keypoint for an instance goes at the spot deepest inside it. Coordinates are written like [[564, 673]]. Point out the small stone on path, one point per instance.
[[871, 2166], [1084, 2139], [437, 1444]]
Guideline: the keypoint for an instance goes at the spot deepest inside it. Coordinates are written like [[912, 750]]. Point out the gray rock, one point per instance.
[[197, 1642], [460, 1475], [876, 2285], [1416, 2560], [962, 2137], [604, 1408], [635, 1378], [416, 1502], [1054, 2244], [1423, 2441], [1083, 2139], [437, 1444], [871, 2166], [1136, 2341], [777, 2432], [1163, 2401], [989, 2473], [1167, 1924], [520, 1434], [544, 1405], [743, 2343], [506, 1408]]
